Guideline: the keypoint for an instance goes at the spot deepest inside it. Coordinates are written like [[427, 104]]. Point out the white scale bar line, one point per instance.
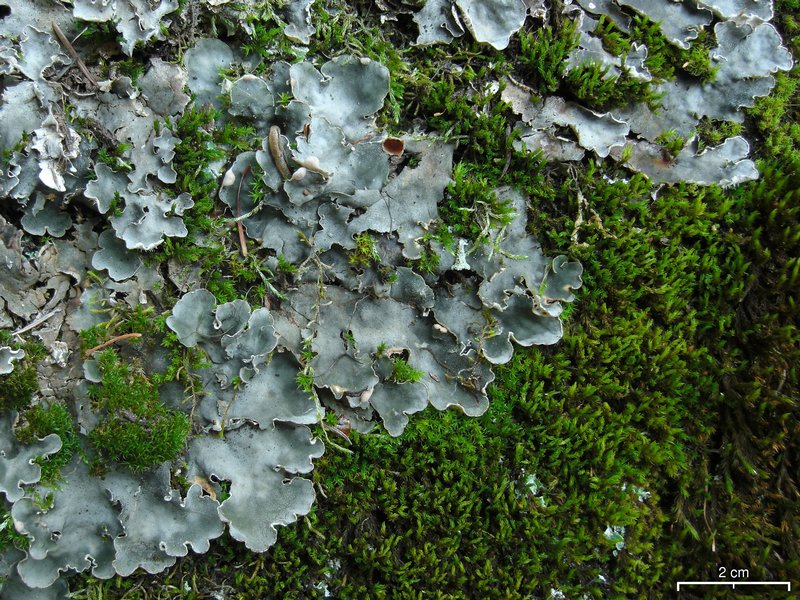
[[733, 584]]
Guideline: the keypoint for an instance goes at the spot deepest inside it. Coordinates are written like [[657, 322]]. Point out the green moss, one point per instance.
[[345, 28], [677, 376], [9, 536], [114, 158], [427, 263], [139, 319], [402, 372], [137, 430], [645, 262], [591, 85], [365, 252], [788, 23], [712, 132], [93, 336], [121, 319], [266, 36], [477, 122], [286, 267], [198, 148], [671, 142], [131, 67], [437, 236], [18, 387], [471, 208], [211, 241], [99, 32], [42, 421], [482, 125], [775, 117], [543, 54], [664, 59], [238, 137], [305, 376]]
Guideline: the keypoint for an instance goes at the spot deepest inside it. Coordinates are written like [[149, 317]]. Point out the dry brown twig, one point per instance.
[[239, 226], [118, 338], [74, 54], [36, 322]]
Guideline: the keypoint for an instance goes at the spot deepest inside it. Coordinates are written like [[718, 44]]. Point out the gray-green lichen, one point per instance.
[[367, 337]]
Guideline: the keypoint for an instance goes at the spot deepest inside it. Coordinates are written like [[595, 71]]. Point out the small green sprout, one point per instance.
[[671, 142], [114, 158], [366, 251], [350, 339], [402, 372], [284, 98], [712, 132], [286, 267], [305, 377]]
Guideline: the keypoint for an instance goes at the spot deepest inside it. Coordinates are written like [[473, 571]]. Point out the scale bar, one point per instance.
[[733, 584]]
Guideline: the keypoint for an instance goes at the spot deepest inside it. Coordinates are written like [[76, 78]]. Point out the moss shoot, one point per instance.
[[18, 387], [137, 430], [42, 421]]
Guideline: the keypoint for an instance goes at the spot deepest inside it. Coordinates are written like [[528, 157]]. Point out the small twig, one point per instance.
[[321, 490], [783, 380], [508, 154], [239, 226], [247, 215], [84, 30], [118, 338], [37, 322], [73, 53], [193, 393], [338, 447], [337, 431], [312, 530], [366, 138]]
